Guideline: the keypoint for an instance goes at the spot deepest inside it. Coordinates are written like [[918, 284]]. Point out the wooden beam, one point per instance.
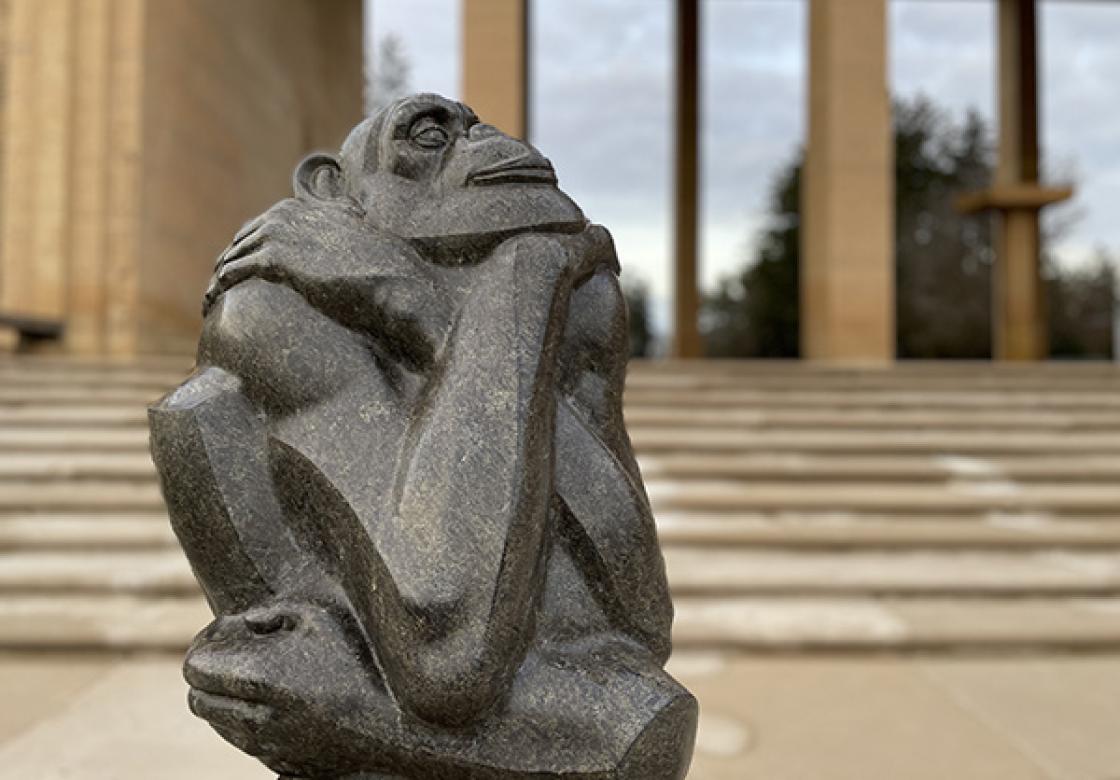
[[1012, 196]]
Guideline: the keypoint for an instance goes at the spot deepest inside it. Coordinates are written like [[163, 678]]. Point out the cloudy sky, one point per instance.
[[601, 79]]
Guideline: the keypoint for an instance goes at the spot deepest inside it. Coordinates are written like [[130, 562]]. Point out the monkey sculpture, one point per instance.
[[401, 476]]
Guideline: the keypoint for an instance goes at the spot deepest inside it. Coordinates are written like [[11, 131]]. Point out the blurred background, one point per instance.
[[869, 248]]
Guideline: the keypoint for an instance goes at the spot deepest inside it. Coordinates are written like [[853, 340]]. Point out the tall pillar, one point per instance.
[[496, 63], [36, 137], [134, 144], [847, 190], [686, 297], [1019, 300]]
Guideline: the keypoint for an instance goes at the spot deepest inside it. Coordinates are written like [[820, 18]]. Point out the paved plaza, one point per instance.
[[83, 717]]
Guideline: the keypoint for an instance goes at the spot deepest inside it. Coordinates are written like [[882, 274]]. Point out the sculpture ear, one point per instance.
[[319, 177]]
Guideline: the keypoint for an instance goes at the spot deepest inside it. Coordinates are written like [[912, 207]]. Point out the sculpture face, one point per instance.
[[406, 490], [426, 169]]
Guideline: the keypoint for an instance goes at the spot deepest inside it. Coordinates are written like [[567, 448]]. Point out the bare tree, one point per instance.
[[387, 73]]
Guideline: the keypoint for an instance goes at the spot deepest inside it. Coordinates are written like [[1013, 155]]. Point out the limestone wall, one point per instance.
[[237, 93]]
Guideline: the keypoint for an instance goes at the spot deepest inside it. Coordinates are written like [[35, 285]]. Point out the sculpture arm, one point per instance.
[[466, 548], [597, 477], [371, 283]]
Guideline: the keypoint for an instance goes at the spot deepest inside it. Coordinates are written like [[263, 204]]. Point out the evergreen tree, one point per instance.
[[388, 78], [637, 305], [943, 259]]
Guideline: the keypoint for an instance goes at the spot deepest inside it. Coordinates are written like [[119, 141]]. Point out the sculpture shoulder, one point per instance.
[[287, 353], [592, 365]]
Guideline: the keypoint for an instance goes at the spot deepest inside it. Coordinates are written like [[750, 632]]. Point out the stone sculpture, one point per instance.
[[401, 476]]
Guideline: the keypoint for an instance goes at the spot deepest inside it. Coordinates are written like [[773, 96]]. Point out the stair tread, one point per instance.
[[837, 530], [963, 495], [91, 534], [896, 624], [117, 622], [81, 494], [968, 573], [150, 572]]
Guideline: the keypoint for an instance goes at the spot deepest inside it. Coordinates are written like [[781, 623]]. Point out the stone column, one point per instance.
[[847, 187], [686, 298], [37, 155], [134, 143], [496, 63], [1019, 300]]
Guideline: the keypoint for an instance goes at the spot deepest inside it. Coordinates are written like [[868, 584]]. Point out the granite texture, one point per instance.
[[401, 476]]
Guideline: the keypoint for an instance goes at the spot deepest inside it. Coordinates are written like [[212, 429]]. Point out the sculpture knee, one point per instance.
[[288, 354], [447, 691]]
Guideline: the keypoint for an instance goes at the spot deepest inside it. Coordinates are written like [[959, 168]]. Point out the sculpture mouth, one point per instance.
[[516, 173]]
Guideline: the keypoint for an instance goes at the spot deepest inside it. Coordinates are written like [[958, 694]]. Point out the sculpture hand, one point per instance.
[[290, 237], [555, 258], [372, 283], [279, 683]]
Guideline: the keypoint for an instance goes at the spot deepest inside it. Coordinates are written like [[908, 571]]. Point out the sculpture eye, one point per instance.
[[428, 135]]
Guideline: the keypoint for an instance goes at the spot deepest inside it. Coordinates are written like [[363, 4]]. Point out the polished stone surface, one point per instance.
[[401, 476]]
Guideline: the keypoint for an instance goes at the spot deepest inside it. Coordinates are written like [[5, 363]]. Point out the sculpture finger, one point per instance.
[[239, 722], [249, 227], [244, 246], [237, 271], [210, 297], [230, 668]]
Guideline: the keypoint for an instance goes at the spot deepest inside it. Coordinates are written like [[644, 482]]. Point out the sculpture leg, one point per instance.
[[210, 448], [305, 700]]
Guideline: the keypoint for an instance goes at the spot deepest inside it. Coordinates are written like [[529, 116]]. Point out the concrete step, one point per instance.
[[68, 395], [121, 622], [692, 572], [874, 468], [745, 421], [964, 496], [122, 380], [721, 572], [100, 623], [672, 440], [897, 625], [746, 418], [1104, 401], [870, 382], [864, 419], [89, 533], [96, 439], [148, 572], [94, 496], [969, 498], [30, 466], [116, 531], [110, 530], [938, 373], [661, 440], [837, 531], [73, 416]]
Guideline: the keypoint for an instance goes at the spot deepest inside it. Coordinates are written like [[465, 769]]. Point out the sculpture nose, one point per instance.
[[482, 131]]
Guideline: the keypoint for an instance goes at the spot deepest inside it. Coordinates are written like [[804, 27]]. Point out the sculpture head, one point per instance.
[[426, 169]]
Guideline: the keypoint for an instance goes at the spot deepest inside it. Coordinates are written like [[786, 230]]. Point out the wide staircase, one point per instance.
[[929, 507]]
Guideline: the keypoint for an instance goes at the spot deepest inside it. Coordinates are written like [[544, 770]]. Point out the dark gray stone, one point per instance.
[[401, 476]]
